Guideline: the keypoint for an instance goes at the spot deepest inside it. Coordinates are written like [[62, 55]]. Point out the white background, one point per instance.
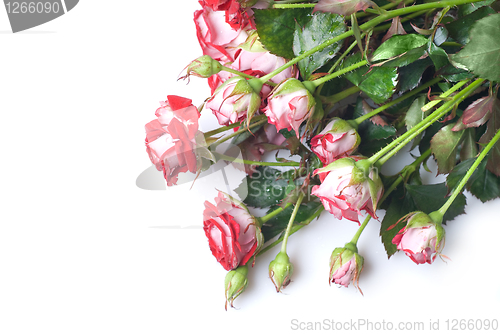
[[84, 250]]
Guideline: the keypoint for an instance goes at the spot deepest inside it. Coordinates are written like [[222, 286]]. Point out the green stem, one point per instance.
[[469, 173], [252, 162], [290, 222], [294, 229], [244, 75], [231, 126], [360, 230], [346, 52], [294, 5], [240, 131], [340, 96], [270, 215], [440, 112], [443, 96], [405, 173], [328, 77], [366, 26], [337, 63], [426, 122], [363, 118]]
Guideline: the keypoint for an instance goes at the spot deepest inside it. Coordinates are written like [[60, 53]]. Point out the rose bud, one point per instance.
[[234, 101], [421, 239], [289, 104], [347, 187], [235, 283], [337, 140], [234, 235], [280, 271], [171, 138], [203, 67], [345, 266]]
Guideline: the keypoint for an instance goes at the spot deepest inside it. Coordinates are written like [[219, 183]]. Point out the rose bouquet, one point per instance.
[[341, 86]]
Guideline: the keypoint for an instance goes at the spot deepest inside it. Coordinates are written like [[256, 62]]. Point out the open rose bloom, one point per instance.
[[232, 232], [337, 140], [346, 266], [345, 189], [421, 239], [171, 139]]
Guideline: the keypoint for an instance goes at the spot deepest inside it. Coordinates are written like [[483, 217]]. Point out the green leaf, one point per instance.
[[468, 8], [439, 56], [493, 164], [378, 83], [398, 45], [469, 146], [411, 75], [263, 189], [453, 74], [431, 197], [415, 115], [425, 143], [320, 28], [278, 223], [406, 58], [483, 184], [444, 146], [482, 54], [276, 28], [459, 29]]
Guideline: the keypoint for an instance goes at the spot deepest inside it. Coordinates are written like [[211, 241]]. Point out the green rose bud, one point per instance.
[[235, 283], [280, 271]]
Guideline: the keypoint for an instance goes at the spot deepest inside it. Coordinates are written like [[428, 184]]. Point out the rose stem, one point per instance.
[[232, 126], [391, 149], [252, 162], [469, 173], [290, 222], [294, 229], [243, 129], [266, 218], [404, 174], [403, 97], [365, 27]]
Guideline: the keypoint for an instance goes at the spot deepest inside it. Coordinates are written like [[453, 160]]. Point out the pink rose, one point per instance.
[[289, 104], [233, 234], [421, 239], [338, 139], [217, 38], [346, 266], [346, 189], [254, 60], [233, 101], [170, 139]]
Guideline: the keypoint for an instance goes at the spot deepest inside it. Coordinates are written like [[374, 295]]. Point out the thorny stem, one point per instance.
[[361, 119], [252, 162], [425, 122], [469, 173], [440, 112], [365, 27]]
